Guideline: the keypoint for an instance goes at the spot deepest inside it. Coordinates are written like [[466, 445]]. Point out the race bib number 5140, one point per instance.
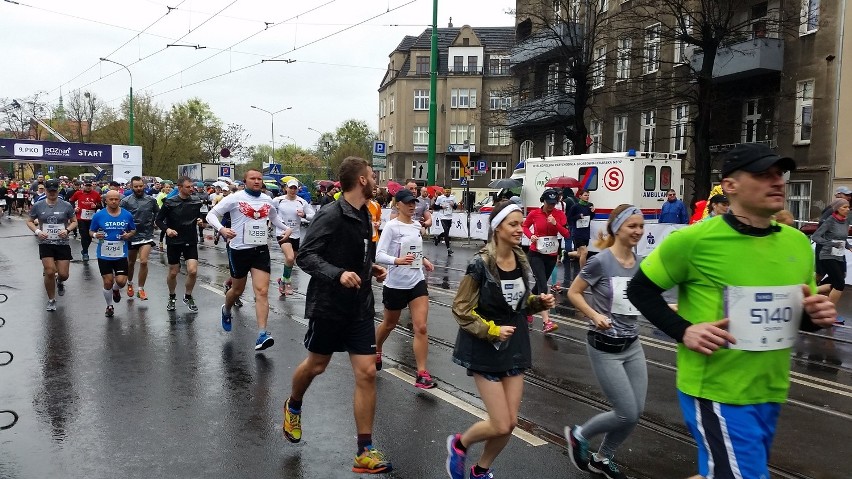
[[764, 318]]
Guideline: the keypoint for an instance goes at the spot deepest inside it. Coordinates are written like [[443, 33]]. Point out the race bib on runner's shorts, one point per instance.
[[764, 318]]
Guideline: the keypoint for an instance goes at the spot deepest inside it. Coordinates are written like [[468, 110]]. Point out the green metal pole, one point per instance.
[[433, 93], [131, 114]]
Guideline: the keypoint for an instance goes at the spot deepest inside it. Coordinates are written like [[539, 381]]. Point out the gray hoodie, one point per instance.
[[832, 236]]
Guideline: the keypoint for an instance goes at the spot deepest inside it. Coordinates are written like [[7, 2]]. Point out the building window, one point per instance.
[[665, 178], [459, 133], [599, 69], [619, 142], [390, 136], [570, 85], [809, 17], [557, 11], [604, 4], [681, 56], [804, 111], [421, 99], [463, 98], [391, 102], [622, 66], [652, 49], [498, 65], [588, 175], [757, 118], [552, 78], [498, 136], [567, 146], [680, 117], [799, 199], [422, 65], [499, 170], [550, 144], [455, 169], [526, 150], [458, 63], [649, 178], [381, 109], [421, 135], [473, 64], [497, 101], [649, 126], [596, 133]]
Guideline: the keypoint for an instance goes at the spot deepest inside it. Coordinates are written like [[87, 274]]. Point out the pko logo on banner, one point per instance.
[[24, 149]]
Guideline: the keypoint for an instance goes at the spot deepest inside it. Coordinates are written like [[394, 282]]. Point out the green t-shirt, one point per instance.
[[702, 260]]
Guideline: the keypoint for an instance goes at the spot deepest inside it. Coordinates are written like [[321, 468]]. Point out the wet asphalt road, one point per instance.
[[157, 394]]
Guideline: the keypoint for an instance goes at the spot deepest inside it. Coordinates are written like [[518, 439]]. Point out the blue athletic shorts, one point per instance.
[[733, 441]]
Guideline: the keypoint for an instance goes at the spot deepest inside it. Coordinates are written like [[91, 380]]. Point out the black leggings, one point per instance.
[[85, 237], [542, 267], [446, 224], [836, 271]]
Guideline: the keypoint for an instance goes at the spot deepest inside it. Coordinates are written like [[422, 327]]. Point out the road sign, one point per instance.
[[225, 170], [463, 181], [274, 169], [421, 170], [482, 166], [51, 168], [463, 159], [380, 155]]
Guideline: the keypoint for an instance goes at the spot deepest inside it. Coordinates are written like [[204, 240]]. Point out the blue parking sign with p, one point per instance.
[[379, 147]]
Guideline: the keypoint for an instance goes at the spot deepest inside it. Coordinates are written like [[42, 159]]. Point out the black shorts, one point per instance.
[[355, 337], [580, 242], [294, 242], [241, 261], [397, 299], [139, 245], [175, 250], [59, 252], [836, 273], [117, 267]]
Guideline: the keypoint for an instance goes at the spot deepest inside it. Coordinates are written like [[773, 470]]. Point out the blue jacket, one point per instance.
[[674, 212]]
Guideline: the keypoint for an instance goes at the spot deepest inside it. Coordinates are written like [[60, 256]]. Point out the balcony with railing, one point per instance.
[[464, 70], [548, 108], [747, 58], [547, 43]]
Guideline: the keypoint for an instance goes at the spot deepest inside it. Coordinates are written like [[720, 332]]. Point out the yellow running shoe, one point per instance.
[[371, 461], [292, 424]]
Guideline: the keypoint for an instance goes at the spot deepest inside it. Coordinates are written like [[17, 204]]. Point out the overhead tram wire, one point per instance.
[[277, 56]]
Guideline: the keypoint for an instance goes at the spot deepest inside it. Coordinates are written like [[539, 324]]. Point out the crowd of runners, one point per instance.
[[731, 381]]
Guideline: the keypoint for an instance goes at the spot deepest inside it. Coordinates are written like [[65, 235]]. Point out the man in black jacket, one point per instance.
[[337, 252]]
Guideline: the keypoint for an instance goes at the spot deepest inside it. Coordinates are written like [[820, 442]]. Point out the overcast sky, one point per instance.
[[48, 44]]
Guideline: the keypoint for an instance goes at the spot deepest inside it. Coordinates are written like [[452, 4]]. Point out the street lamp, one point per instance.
[[327, 163], [272, 121], [131, 93]]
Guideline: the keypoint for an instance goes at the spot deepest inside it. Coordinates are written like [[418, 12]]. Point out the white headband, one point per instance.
[[502, 215], [622, 217]]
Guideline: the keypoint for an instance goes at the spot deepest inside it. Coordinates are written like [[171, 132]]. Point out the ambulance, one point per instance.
[[638, 178]]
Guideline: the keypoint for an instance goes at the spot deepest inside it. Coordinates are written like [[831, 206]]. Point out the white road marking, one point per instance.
[[449, 398]]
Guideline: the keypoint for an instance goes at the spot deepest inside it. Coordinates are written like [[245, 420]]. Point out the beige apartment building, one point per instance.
[[474, 91], [778, 80]]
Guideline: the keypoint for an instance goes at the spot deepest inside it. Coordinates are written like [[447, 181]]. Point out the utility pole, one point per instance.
[[433, 94]]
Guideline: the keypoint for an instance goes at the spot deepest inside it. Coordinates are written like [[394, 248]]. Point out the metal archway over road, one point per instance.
[[125, 160]]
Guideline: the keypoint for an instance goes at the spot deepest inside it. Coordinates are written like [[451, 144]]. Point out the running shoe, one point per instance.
[[264, 341], [424, 381], [60, 288], [110, 311], [488, 474], [116, 296], [238, 302], [281, 288], [190, 303], [371, 461], [51, 305], [579, 449], [550, 327], [226, 319], [85, 257], [449, 252], [292, 423], [378, 360], [605, 466], [455, 458], [840, 321], [170, 306], [141, 294], [129, 291]]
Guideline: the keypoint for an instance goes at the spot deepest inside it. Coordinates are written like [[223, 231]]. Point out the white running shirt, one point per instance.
[[247, 213], [288, 214], [394, 236]]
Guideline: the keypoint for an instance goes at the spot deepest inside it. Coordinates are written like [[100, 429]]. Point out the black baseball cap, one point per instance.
[[404, 196], [550, 196], [719, 199], [51, 185], [754, 158]]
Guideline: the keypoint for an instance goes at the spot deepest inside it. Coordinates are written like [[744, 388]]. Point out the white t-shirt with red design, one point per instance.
[[249, 216]]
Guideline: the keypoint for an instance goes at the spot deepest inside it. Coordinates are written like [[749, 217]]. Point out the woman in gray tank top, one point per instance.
[[617, 358]]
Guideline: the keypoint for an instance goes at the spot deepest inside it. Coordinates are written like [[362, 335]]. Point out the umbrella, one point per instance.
[[220, 184], [272, 186], [563, 182], [337, 184], [433, 190], [120, 180], [507, 183], [225, 179], [393, 187], [269, 178], [287, 178], [325, 183]]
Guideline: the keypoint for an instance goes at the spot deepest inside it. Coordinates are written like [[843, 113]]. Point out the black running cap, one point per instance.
[[754, 158]]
